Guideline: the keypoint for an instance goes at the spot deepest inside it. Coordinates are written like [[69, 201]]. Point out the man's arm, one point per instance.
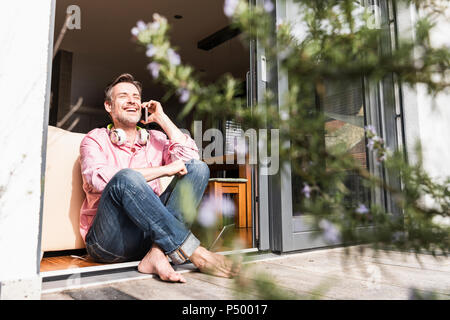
[[172, 131], [176, 167], [97, 171], [157, 115], [178, 145]]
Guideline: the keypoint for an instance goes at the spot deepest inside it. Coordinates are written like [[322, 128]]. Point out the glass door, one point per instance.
[[348, 107], [345, 118]]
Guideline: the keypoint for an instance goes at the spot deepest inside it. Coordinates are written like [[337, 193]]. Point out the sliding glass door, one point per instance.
[[348, 106]]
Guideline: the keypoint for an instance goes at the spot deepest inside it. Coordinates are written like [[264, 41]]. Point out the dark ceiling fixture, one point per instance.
[[177, 16], [218, 38]]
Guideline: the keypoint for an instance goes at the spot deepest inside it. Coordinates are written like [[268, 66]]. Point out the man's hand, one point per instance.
[[177, 167], [157, 115], [155, 109]]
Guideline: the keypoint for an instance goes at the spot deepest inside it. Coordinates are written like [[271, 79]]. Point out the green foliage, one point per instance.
[[341, 45], [262, 286]]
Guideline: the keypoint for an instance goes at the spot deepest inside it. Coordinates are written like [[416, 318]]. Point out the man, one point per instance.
[[125, 216]]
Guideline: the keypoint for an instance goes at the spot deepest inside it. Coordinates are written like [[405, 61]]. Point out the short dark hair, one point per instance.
[[124, 77]]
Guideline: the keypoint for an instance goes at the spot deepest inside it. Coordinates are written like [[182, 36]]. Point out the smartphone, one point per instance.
[[144, 114]]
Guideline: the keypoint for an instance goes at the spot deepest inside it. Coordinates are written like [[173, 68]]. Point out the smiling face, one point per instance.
[[125, 105]]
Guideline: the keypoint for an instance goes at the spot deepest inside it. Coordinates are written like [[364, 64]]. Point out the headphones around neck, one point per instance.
[[119, 137]]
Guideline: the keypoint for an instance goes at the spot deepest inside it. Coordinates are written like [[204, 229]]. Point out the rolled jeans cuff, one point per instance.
[[182, 254]]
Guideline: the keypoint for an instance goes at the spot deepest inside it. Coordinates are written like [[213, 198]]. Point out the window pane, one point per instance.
[[343, 106]]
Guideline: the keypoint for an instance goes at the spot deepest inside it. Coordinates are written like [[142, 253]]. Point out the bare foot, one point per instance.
[[156, 262], [214, 264]]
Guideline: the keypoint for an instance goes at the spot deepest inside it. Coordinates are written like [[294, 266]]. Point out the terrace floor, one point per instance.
[[319, 274]]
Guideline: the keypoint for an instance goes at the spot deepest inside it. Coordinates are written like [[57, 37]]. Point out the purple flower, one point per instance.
[[371, 129], [151, 50], [330, 232], [155, 25], [211, 206], [207, 212], [154, 69], [158, 18], [227, 207], [306, 190], [382, 158], [373, 140], [141, 25], [174, 58], [268, 6], [370, 144], [135, 31], [230, 7], [184, 95], [362, 209]]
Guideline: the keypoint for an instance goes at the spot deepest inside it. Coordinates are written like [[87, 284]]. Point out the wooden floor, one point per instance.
[[66, 262], [319, 274], [81, 261]]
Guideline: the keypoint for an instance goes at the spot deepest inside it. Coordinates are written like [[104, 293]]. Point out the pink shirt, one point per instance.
[[101, 160]]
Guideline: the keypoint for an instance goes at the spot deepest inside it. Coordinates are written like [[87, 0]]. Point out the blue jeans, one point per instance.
[[131, 218]]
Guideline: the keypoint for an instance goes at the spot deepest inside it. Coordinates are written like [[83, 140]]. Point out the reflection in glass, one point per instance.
[[343, 107]]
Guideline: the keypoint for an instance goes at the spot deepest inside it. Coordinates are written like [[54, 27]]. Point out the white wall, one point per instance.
[[427, 119], [435, 115], [24, 57]]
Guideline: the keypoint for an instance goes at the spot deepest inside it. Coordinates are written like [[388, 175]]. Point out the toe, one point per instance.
[[176, 277]]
